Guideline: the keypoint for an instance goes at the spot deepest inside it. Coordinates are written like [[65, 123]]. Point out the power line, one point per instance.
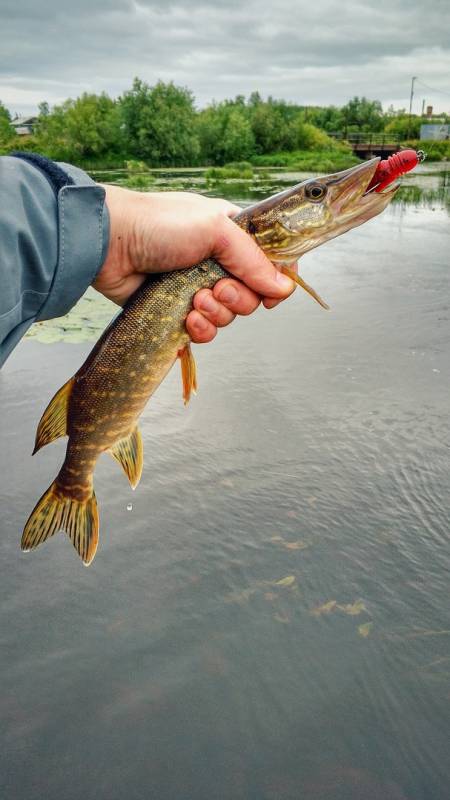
[[431, 88]]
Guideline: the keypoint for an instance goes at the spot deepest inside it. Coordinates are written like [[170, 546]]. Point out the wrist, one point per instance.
[[118, 252]]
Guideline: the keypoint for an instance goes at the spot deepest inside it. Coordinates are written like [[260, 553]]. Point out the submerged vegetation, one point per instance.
[[238, 169], [159, 126]]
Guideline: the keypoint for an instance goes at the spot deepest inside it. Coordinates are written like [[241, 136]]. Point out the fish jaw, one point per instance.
[[293, 222]]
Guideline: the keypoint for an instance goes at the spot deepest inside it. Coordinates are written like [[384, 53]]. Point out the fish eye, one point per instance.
[[315, 192]]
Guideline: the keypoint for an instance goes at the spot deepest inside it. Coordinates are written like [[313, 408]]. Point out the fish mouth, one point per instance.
[[347, 204], [349, 201]]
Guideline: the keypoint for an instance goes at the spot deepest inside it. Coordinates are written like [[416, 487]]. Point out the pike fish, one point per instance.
[[98, 408]]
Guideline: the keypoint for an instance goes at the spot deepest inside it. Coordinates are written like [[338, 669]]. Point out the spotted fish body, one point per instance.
[[132, 357], [99, 407]]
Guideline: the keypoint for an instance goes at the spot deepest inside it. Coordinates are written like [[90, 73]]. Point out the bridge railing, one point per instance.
[[368, 138]]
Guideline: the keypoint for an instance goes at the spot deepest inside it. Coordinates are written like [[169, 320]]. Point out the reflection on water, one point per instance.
[[271, 620]]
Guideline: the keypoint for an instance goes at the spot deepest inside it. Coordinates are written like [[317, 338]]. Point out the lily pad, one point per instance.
[[353, 609], [283, 618], [289, 580], [299, 545], [84, 322], [325, 608], [364, 630]]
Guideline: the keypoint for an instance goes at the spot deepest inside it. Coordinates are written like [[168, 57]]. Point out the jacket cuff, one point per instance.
[[82, 230], [83, 238]]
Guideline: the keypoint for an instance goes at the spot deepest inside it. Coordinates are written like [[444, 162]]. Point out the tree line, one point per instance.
[[160, 125]]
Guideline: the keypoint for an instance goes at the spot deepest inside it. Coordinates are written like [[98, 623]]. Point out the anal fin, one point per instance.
[[53, 423], [129, 452], [188, 372]]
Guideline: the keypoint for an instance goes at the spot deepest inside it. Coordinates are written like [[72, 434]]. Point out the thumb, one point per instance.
[[239, 254]]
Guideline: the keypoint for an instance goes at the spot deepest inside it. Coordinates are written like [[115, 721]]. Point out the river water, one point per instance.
[[267, 617]]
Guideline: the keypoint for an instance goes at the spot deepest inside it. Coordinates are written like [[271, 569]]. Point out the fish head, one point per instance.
[[292, 222]]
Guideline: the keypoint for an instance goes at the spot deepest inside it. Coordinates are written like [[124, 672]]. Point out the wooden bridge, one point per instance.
[[366, 145]]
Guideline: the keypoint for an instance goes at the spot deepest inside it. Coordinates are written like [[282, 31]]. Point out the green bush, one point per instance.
[[236, 169], [338, 158], [435, 151], [136, 166], [138, 181]]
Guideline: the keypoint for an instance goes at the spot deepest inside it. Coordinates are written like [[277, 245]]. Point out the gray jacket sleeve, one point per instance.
[[53, 242]]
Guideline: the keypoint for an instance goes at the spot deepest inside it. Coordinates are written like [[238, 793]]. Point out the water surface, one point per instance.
[[270, 620]]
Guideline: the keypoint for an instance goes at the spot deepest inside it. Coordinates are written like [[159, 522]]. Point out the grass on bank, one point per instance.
[[311, 160], [331, 159]]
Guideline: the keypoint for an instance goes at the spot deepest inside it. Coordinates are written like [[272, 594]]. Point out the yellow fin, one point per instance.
[[53, 423], [298, 280], [129, 452], [188, 372], [56, 511]]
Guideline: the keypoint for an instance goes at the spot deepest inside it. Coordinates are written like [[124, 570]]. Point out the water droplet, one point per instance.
[[130, 507]]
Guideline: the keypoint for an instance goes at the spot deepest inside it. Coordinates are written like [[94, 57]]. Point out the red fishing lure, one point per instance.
[[394, 166]]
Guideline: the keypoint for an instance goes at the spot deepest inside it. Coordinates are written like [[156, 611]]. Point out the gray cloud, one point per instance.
[[308, 52]]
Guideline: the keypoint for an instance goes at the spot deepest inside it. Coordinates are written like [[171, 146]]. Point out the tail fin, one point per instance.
[[56, 511]]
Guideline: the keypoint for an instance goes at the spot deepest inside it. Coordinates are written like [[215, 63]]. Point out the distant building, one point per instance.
[[436, 132], [24, 126]]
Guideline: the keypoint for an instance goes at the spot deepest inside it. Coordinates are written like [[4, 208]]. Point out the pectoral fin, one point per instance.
[[188, 372], [129, 453], [300, 282], [53, 422]]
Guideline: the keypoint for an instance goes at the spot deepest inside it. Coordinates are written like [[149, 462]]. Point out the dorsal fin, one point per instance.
[[53, 423], [129, 452]]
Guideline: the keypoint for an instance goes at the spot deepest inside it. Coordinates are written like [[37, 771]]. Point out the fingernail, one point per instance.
[[284, 282], [208, 303], [228, 295]]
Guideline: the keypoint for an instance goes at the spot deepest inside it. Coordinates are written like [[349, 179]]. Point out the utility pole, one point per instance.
[[423, 107], [414, 78]]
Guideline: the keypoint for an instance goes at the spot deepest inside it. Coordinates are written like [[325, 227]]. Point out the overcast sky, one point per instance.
[[314, 52]]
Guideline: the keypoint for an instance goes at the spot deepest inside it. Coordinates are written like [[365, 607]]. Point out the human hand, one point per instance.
[[157, 232]]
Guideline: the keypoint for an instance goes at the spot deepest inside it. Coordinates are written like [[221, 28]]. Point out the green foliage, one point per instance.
[[329, 119], [159, 126], [337, 158], [361, 114], [142, 181], [435, 151], [159, 123], [238, 141], [404, 126], [136, 166], [6, 131], [88, 127], [308, 137], [239, 169], [269, 127], [225, 132]]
